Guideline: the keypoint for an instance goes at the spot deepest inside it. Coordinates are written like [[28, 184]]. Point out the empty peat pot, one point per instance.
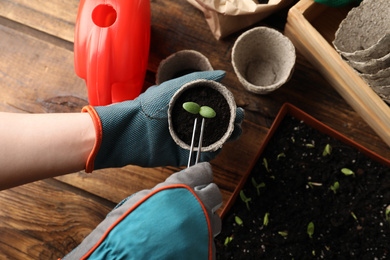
[[205, 93], [263, 59], [181, 63]]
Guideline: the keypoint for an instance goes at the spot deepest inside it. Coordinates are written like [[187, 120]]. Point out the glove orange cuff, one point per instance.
[[99, 134]]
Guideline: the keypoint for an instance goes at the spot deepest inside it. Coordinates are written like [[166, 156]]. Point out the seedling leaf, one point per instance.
[[347, 172], [207, 112], [353, 215], [327, 150], [335, 187], [245, 199], [266, 219], [257, 186], [238, 221], [191, 107], [280, 156], [310, 145], [310, 229], [283, 233], [265, 162], [228, 240]]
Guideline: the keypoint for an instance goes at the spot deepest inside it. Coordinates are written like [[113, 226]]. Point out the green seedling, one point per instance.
[[204, 111], [228, 240], [335, 187], [280, 156], [265, 162], [245, 199], [207, 112], [327, 150], [266, 219], [312, 184], [310, 145], [310, 229], [354, 216], [347, 172], [257, 186], [387, 214], [238, 221], [191, 107], [283, 233]]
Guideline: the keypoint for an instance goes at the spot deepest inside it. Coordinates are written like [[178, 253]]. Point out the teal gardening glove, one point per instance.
[[136, 132], [337, 3], [174, 220]]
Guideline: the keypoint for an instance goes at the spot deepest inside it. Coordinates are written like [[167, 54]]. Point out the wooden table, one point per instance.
[[48, 218]]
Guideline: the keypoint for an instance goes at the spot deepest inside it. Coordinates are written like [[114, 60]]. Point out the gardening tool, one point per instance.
[[193, 141], [111, 48]]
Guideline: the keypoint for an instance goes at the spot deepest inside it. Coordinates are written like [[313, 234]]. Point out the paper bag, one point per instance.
[[228, 16]]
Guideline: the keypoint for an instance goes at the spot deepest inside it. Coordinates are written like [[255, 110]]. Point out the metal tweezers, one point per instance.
[[193, 141]]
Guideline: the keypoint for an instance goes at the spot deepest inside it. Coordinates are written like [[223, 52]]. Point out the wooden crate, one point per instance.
[[311, 27]]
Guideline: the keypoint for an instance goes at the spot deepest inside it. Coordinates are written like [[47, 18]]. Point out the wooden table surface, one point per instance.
[[46, 219]]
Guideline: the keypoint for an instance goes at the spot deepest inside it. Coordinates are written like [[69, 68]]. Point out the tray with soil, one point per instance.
[[311, 193], [205, 93]]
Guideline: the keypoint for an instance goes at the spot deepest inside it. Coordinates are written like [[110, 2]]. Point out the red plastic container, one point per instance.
[[111, 48]]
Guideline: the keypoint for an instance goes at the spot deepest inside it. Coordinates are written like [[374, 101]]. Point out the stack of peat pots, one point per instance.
[[363, 40]]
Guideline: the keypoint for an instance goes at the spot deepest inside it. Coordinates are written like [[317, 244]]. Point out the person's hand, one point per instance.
[[174, 220], [136, 132], [337, 3]]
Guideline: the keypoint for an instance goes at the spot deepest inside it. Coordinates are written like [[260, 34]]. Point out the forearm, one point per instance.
[[38, 146]]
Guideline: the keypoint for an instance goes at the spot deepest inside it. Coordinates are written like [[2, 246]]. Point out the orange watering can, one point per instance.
[[111, 48]]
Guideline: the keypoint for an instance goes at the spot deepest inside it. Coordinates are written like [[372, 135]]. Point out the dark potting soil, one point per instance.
[[295, 181], [183, 121]]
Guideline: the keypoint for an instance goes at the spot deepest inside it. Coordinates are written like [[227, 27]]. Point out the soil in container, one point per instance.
[[311, 197], [183, 121]]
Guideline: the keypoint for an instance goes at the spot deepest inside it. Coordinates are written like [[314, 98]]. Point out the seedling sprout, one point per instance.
[[228, 240], [347, 172], [327, 150], [310, 229], [257, 186], [354, 216], [238, 220], [205, 112], [312, 184], [245, 199], [266, 219], [265, 162], [310, 145], [387, 214], [280, 156], [283, 233], [335, 187]]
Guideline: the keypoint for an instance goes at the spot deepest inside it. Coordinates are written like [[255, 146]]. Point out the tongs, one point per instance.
[[204, 112], [193, 141]]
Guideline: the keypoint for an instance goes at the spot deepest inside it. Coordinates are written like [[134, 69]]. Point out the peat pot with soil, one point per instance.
[[311, 193], [202, 97]]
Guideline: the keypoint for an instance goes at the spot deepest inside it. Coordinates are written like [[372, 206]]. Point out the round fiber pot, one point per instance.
[[263, 59], [181, 63], [217, 130]]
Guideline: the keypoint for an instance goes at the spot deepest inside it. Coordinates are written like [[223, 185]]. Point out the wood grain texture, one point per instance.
[[43, 221], [46, 219], [56, 17]]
